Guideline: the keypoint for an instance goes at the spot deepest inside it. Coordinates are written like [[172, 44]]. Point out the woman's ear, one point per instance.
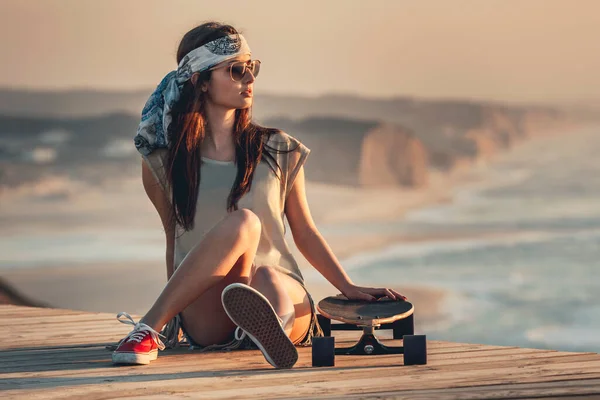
[[194, 78]]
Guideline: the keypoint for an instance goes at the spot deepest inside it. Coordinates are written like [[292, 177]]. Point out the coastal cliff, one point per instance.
[[354, 141], [438, 136]]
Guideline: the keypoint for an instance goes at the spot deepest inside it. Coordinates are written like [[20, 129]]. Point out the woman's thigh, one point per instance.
[[207, 323], [302, 308], [205, 319]]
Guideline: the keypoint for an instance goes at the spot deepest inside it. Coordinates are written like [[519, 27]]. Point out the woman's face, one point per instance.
[[224, 91]]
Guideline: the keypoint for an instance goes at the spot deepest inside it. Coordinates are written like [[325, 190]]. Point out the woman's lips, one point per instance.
[[247, 93]]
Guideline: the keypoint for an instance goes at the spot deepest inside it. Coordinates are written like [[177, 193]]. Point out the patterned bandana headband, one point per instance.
[[156, 115]]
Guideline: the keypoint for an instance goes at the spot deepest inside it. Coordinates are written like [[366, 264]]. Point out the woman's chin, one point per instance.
[[246, 103]]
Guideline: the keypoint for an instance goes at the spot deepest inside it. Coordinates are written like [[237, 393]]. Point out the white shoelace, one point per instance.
[[137, 334], [238, 335]]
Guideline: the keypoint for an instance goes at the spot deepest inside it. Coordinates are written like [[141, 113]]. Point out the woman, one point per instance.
[[221, 185]]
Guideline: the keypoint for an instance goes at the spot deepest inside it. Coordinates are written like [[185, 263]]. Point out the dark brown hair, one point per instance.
[[186, 133]]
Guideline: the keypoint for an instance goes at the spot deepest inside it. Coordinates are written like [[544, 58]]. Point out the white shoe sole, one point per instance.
[[134, 358], [253, 313]]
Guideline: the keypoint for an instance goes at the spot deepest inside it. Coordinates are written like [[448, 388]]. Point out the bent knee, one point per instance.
[[246, 221], [265, 274]]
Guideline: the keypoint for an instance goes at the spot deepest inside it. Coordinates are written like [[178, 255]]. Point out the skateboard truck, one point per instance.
[[414, 346], [369, 344]]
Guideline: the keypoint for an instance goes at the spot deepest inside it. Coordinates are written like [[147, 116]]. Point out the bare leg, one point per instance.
[[207, 323], [266, 280], [288, 298], [232, 243]]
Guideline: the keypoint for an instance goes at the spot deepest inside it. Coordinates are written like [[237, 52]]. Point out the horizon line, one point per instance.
[[465, 99]]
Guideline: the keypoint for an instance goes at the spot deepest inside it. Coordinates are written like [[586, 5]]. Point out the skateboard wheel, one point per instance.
[[323, 351], [415, 350], [405, 326]]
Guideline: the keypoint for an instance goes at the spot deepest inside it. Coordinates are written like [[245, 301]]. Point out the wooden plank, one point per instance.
[[8, 312], [257, 384], [59, 319], [474, 350], [38, 349], [248, 359], [40, 316], [470, 347], [37, 363], [62, 340], [41, 332], [200, 386], [183, 363], [84, 370], [433, 356], [561, 389]]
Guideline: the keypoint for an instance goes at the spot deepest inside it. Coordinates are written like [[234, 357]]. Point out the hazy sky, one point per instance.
[[516, 50]]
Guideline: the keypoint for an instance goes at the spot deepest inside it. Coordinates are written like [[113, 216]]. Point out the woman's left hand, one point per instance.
[[354, 292]]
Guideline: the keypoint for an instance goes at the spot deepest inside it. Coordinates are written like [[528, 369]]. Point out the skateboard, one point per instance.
[[369, 316]]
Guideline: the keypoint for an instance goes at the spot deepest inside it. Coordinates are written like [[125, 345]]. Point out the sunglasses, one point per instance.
[[238, 69]]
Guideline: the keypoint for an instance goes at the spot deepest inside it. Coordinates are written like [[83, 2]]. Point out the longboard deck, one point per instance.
[[366, 313]]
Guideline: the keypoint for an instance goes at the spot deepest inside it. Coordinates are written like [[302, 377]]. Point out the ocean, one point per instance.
[[521, 271]]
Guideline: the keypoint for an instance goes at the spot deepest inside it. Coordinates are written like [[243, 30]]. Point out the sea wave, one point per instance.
[[412, 250]]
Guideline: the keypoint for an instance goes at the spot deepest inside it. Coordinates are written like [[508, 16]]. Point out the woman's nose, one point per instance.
[[249, 77]]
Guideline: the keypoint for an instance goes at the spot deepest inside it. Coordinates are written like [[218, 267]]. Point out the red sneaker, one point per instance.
[[140, 346]]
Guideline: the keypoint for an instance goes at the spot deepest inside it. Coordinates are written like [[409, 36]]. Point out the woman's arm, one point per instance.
[[316, 250], [163, 206]]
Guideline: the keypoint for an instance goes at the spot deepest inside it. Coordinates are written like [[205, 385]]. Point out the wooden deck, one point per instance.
[[50, 353]]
